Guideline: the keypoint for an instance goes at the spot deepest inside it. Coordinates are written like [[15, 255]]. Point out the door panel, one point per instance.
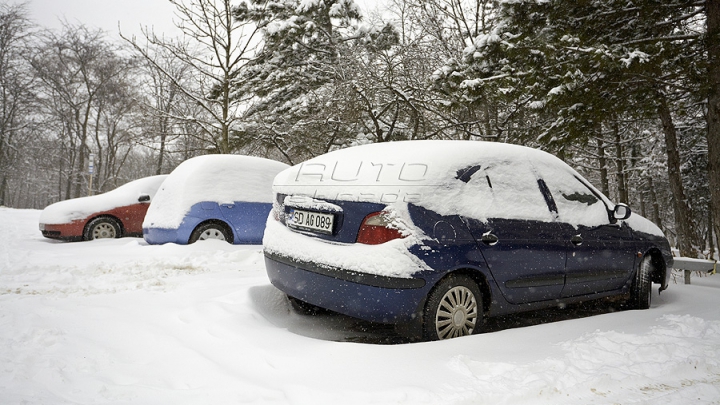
[[601, 259], [526, 258], [514, 229], [600, 252]]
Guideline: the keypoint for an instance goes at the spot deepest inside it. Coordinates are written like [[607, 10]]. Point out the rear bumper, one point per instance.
[[159, 236], [364, 296]]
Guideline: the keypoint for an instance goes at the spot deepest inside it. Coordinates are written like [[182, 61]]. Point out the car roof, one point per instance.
[[79, 208], [212, 178], [406, 163], [435, 174]]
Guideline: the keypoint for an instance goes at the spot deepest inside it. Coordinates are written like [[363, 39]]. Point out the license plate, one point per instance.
[[310, 221]]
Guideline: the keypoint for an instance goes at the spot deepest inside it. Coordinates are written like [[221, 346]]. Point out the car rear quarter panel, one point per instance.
[[131, 217], [247, 220]]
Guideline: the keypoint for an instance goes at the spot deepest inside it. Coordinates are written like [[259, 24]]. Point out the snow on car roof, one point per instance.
[[403, 163], [215, 178], [448, 177], [63, 212]]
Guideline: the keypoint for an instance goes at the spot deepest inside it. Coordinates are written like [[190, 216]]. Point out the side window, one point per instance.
[[510, 190], [576, 203], [490, 189]]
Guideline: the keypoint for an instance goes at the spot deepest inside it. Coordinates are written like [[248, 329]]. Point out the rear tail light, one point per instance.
[[377, 228], [278, 205], [276, 212]]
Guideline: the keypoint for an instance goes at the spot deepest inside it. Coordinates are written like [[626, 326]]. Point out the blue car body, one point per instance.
[[559, 247], [510, 288], [225, 197], [246, 221]]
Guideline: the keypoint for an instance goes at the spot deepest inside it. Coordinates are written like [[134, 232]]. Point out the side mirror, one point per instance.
[[144, 198], [621, 211]]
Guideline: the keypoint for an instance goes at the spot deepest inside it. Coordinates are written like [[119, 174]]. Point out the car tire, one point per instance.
[[102, 228], [453, 309], [641, 288], [211, 230]]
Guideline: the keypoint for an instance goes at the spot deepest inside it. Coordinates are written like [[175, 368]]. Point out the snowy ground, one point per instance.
[[118, 321]]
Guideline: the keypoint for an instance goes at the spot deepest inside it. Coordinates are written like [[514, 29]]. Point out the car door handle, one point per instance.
[[489, 239], [576, 240]]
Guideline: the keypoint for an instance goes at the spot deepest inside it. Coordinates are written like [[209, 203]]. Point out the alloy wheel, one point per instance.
[[212, 233], [457, 314], [104, 230]]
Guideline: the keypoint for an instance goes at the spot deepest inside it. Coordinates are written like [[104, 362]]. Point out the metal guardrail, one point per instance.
[[688, 265]]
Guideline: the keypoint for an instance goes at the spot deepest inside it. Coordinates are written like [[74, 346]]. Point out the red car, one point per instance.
[[114, 214]]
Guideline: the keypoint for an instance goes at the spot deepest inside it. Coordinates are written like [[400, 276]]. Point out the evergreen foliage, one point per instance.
[[582, 67], [578, 64], [302, 79]]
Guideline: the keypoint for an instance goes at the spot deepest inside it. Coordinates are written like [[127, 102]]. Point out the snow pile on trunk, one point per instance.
[[390, 259]]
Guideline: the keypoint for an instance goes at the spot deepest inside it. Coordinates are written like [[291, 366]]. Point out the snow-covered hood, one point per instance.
[[63, 212], [215, 178], [641, 224]]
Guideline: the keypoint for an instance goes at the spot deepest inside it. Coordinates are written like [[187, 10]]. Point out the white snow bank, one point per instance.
[[78, 208], [670, 361], [224, 179], [118, 321]]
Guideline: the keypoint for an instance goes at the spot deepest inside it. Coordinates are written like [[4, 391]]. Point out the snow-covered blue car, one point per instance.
[[434, 236], [225, 197]]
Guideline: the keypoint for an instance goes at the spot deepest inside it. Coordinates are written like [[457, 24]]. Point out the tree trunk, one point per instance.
[[654, 202], [602, 160], [163, 127], [683, 225], [712, 11], [3, 187], [643, 208], [620, 161], [710, 238], [78, 183]]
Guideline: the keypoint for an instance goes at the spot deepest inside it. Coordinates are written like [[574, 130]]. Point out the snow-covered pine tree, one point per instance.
[[582, 65], [304, 78]]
